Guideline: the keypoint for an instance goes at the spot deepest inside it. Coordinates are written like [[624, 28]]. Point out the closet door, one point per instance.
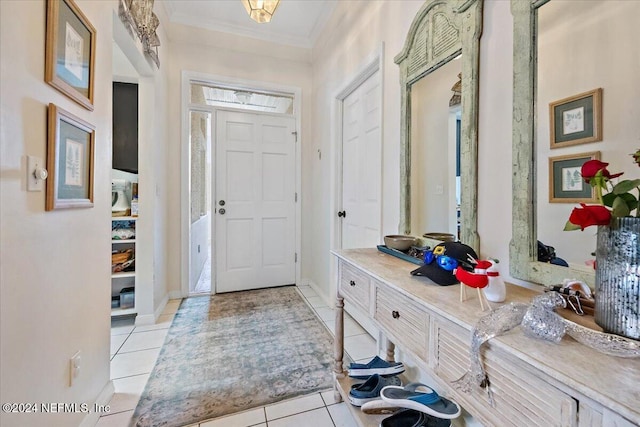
[[362, 165]]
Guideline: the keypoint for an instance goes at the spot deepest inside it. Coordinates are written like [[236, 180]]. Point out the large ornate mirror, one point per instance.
[[442, 43], [561, 49]]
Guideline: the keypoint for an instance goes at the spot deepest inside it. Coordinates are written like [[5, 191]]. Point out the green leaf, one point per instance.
[[608, 199], [626, 186], [620, 207], [569, 226]]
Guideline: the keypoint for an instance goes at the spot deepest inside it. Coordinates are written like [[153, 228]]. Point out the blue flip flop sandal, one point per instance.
[[420, 397]]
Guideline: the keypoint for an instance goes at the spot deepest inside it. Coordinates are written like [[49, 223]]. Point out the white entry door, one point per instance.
[[255, 201], [362, 165]]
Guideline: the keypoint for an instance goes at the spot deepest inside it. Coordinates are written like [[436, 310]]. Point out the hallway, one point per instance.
[[134, 350]]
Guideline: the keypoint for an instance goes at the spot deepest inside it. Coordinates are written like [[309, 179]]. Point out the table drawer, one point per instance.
[[407, 321], [355, 285], [521, 397]]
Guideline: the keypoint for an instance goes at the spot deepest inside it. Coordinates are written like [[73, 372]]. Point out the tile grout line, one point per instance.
[[324, 322]]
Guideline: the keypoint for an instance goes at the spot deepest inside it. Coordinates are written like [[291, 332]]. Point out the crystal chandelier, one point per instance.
[[261, 10]]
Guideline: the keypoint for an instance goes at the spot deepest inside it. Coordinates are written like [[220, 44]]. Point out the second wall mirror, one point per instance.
[[563, 49]]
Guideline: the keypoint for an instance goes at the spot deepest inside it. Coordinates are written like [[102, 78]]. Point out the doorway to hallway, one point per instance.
[[243, 178]]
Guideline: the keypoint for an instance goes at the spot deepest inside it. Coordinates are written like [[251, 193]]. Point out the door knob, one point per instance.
[[342, 214], [221, 202], [221, 211]]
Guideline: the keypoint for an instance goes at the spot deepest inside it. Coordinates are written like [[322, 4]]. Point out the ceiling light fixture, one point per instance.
[[261, 11]]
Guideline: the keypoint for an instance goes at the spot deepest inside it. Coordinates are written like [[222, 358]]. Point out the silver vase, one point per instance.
[[618, 277]]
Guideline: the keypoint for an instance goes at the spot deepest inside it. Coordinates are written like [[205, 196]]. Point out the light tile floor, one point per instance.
[[134, 350]]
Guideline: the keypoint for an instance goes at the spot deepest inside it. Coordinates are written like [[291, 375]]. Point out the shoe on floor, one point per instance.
[[411, 418], [370, 389], [375, 366], [420, 397]]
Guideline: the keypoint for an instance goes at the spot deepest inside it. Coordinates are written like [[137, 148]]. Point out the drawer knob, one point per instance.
[[395, 314], [352, 283]]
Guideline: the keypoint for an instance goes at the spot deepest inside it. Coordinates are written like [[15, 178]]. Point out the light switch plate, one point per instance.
[[34, 184]]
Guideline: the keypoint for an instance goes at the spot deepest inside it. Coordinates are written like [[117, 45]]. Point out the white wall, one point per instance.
[[495, 133], [237, 59], [55, 266], [579, 53], [55, 273], [155, 93], [352, 37]]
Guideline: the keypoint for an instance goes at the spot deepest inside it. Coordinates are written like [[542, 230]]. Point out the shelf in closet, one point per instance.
[[123, 311], [123, 274], [123, 278]]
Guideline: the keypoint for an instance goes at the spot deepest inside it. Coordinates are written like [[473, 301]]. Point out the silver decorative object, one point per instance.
[[613, 345], [140, 20], [541, 322], [492, 325], [618, 277], [537, 320]]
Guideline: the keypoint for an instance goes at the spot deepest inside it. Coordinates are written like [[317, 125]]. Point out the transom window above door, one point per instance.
[[246, 99]]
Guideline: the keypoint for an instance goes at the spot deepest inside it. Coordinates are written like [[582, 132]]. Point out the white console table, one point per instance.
[[534, 382]]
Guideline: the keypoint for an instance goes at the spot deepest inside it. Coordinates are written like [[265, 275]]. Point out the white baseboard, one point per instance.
[[363, 320], [320, 292], [357, 315], [103, 399], [150, 319], [175, 295]]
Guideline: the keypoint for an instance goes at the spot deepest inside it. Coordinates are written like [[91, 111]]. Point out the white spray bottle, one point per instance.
[[496, 290]]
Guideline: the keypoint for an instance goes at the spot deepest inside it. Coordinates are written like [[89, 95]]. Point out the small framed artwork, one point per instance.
[[565, 180], [70, 51], [70, 153], [577, 119]]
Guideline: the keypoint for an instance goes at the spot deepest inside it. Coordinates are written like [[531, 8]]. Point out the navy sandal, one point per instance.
[[375, 366], [420, 397]]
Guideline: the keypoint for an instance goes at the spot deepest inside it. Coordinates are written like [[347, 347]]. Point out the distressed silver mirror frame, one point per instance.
[[441, 31], [523, 251]]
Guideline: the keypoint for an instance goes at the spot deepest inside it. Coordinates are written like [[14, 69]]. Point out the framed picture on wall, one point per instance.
[[565, 180], [70, 51], [577, 119], [70, 154]]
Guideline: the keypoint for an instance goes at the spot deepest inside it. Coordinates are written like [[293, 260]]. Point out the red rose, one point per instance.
[[591, 167], [590, 215]]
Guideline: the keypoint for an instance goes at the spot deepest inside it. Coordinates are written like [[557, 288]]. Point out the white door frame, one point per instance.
[[374, 63], [189, 77]]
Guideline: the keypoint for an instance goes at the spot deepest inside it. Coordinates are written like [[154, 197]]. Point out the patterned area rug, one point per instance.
[[231, 352]]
